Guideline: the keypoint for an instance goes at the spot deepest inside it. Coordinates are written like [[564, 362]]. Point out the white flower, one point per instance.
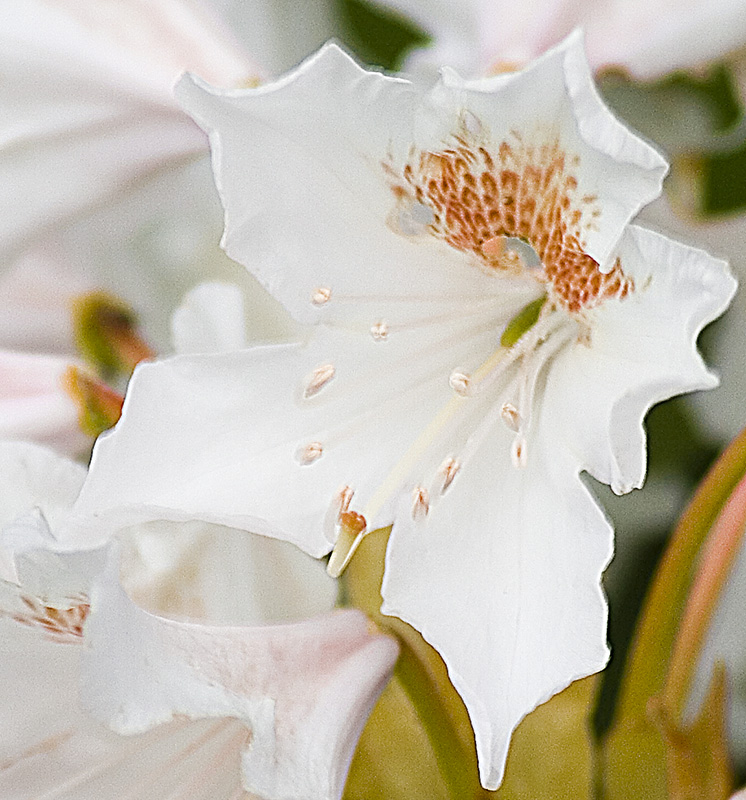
[[286, 700], [488, 325], [646, 39], [107, 181]]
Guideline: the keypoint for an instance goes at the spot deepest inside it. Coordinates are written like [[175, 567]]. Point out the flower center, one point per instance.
[[477, 197], [518, 211]]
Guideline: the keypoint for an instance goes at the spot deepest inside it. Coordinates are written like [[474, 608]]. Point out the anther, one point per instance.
[[309, 453], [321, 296], [380, 331], [448, 471], [511, 416], [352, 528], [460, 383], [518, 452], [343, 498], [420, 503], [318, 379]]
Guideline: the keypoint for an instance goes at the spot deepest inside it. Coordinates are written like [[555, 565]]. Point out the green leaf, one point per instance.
[[551, 753], [722, 180], [378, 36], [681, 112]]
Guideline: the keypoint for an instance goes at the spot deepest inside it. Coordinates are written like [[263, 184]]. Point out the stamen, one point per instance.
[[352, 529], [318, 379], [420, 503], [309, 453], [380, 331], [460, 383], [447, 471], [321, 296], [510, 416]]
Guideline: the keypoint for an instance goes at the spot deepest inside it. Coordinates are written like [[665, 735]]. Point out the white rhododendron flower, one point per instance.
[[486, 325], [646, 39], [285, 703]]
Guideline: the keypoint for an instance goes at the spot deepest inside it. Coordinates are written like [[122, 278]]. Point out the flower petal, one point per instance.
[[504, 581], [304, 690], [35, 477], [348, 397], [193, 570], [50, 748], [327, 169], [642, 351], [78, 91], [646, 39], [34, 403], [555, 97]]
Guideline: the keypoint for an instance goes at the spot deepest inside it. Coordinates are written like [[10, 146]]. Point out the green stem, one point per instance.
[[651, 650], [719, 554]]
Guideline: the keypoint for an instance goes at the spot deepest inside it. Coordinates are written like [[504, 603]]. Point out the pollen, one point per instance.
[[482, 192], [510, 416], [352, 522], [460, 383], [447, 472]]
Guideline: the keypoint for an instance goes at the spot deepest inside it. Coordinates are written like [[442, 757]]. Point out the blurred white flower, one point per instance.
[[646, 39], [488, 326], [34, 403], [106, 179], [287, 702]]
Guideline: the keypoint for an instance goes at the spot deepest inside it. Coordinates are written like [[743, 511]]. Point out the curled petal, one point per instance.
[[304, 690], [642, 351]]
